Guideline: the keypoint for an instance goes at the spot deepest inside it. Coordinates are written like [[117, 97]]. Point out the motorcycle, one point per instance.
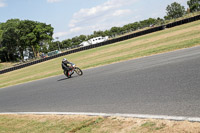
[[72, 70]]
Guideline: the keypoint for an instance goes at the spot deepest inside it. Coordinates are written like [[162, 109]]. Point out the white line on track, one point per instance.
[[142, 116]]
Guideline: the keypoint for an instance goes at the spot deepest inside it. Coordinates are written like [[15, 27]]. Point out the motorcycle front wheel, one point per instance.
[[78, 71]]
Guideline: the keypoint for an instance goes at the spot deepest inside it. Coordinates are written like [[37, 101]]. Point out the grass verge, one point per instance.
[[179, 37], [90, 124]]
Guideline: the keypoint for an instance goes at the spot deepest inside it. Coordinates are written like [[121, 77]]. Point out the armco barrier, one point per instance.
[[140, 33], [184, 21]]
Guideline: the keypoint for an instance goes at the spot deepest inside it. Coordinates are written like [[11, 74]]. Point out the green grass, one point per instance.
[[152, 126], [179, 37], [148, 124]]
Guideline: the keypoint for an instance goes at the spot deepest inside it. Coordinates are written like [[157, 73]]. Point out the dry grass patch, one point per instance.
[[97, 124]]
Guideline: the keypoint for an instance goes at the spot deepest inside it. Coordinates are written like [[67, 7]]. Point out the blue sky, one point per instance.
[[72, 18]]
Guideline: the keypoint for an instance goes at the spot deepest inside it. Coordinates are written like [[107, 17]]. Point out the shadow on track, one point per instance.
[[67, 78], [62, 79]]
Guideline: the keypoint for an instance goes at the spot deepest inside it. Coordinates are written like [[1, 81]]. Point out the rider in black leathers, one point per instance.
[[66, 65]]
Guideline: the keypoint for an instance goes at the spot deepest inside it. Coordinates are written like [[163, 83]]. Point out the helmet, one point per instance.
[[64, 59]]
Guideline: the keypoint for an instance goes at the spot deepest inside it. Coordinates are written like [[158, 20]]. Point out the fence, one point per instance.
[[140, 33]]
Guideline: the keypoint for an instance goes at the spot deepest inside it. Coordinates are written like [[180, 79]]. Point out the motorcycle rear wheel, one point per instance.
[[66, 74]]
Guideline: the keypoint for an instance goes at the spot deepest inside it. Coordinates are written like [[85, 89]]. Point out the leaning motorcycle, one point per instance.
[[75, 69]]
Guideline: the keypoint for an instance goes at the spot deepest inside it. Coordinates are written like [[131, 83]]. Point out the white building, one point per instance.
[[98, 40], [94, 41], [85, 43]]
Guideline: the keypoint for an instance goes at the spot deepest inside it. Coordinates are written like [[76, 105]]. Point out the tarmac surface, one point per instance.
[[165, 84]]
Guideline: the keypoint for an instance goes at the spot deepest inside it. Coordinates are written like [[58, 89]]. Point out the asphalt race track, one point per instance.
[[164, 84]]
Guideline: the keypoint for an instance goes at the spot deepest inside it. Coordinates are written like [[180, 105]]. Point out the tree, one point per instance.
[[147, 22], [33, 33], [115, 30], [27, 36], [43, 32], [160, 21], [2, 54], [9, 39], [82, 38], [135, 26], [98, 33], [67, 43], [194, 5], [44, 49], [175, 10], [107, 33], [18, 36], [53, 46], [75, 41]]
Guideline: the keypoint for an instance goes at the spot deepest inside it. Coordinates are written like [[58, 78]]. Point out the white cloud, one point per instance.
[[182, 2], [59, 34], [121, 12], [53, 1], [76, 29], [99, 10], [2, 3], [101, 17]]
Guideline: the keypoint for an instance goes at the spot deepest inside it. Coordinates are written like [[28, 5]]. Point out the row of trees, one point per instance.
[[75, 41], [173, 11], [17, 36]]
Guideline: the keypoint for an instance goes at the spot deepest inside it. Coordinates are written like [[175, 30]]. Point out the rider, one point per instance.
[[66, 65]]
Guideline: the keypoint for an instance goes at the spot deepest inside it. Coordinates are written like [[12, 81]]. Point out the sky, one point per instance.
[[71, 18]]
